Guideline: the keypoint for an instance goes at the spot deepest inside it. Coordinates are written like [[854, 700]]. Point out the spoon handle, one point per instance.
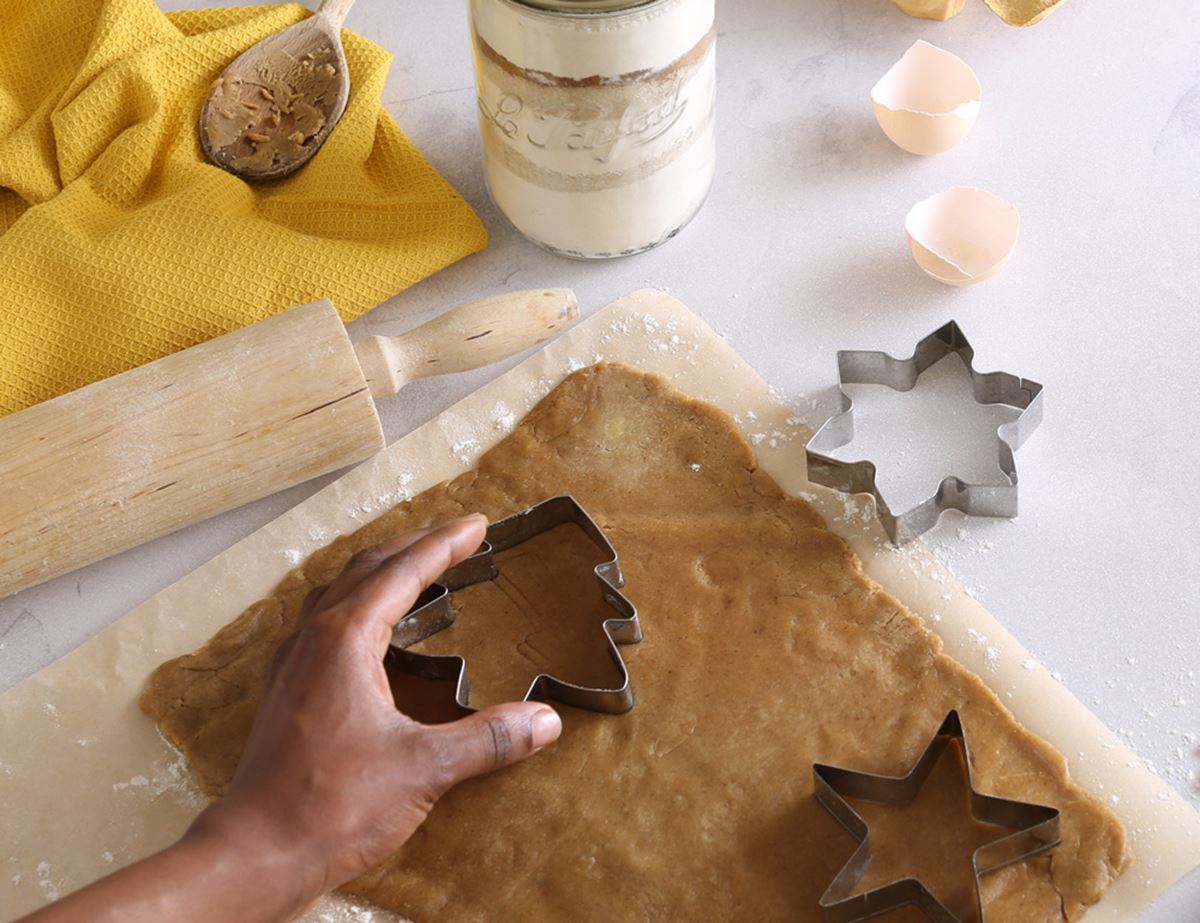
[[335, 10]]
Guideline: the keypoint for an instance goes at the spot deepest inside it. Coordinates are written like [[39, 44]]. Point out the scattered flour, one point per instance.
[[991, 654], [662, 337], [135, 782], [51, 889], [170, 777], [344, 909], [856, 509], [503, 418], [465, 450]]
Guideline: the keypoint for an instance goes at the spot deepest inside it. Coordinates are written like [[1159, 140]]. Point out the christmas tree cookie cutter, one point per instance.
[[433, 611], [1035, 830], [859, 477]]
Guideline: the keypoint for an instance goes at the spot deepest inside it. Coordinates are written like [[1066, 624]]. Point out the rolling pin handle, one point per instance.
[[468, 337], [380, 360]]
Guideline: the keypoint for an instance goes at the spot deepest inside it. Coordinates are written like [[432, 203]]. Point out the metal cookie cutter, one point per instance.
[[1035, 831], [433, 611], [858, 477]]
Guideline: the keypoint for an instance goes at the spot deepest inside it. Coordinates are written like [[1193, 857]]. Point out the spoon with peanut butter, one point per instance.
[[274, 106]]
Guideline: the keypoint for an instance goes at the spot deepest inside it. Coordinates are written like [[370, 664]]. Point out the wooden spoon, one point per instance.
[[274, 106]]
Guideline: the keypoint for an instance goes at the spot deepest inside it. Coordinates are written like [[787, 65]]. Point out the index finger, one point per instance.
[[363, 564], [385, 596]]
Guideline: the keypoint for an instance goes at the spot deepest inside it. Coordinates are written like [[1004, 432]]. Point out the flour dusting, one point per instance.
[[503, 418], [168, 777], [51, 889], [338, 908]]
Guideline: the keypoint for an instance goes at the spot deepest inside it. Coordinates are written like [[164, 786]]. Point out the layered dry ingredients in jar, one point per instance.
[[597, 118]]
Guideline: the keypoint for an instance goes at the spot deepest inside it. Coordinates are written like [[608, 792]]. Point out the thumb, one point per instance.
[[492, 739]]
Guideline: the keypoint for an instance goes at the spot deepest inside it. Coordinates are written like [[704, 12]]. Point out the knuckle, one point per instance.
[[285, 648], [497, 741], [313, 597], [398, 561], [280, 656], [446, 758], [329, 625], [367, 559]]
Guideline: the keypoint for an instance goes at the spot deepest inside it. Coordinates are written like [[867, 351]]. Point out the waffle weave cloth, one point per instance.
[[120, 243]]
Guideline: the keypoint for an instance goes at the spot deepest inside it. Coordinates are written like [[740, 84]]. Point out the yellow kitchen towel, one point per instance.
[[120, 243]]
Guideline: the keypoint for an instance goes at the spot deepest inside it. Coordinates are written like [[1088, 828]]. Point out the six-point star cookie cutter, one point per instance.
[[859, 477], [1035, 831], [434, 612]]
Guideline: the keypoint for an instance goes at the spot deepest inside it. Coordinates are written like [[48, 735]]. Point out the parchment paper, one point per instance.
[[87, 785]]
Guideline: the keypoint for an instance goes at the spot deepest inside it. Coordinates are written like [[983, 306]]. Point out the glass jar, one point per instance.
[[597, 118]]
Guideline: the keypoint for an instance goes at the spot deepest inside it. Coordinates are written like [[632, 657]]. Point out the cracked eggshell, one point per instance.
[[1023, 12], [931, 9], [963, 235], [1013, 12], [928, 101]]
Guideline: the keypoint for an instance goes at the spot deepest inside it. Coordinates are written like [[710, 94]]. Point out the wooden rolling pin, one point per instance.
[[125, 460]]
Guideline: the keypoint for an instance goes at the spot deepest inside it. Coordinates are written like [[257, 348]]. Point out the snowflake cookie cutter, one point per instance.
[[1035, 830], [433, 611], [859, 477]]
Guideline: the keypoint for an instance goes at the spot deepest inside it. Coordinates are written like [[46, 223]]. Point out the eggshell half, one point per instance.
[[928, 101], [931, 9], [1023, 12], [963, 235]]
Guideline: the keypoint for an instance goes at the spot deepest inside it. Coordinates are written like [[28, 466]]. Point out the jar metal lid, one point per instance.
[[585, 6]]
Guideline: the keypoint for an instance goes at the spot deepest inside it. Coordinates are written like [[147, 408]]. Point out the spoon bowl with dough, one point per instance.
[[274, 106]]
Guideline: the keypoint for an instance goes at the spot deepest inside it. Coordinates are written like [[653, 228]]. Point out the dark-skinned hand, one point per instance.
[[333, 778]]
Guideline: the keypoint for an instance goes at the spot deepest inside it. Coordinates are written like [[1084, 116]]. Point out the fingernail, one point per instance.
[[547, 726], [470, 517]]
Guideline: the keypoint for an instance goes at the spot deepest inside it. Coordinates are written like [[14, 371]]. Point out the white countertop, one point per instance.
[[1090, 125]]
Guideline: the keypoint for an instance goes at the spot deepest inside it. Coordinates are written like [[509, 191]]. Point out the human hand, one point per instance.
[[333, 775], [333, 778]]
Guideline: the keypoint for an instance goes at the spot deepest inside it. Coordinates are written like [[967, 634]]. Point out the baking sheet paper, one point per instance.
[[87, 784]]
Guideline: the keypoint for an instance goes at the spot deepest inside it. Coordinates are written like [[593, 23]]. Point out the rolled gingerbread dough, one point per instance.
[[766, 649]]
